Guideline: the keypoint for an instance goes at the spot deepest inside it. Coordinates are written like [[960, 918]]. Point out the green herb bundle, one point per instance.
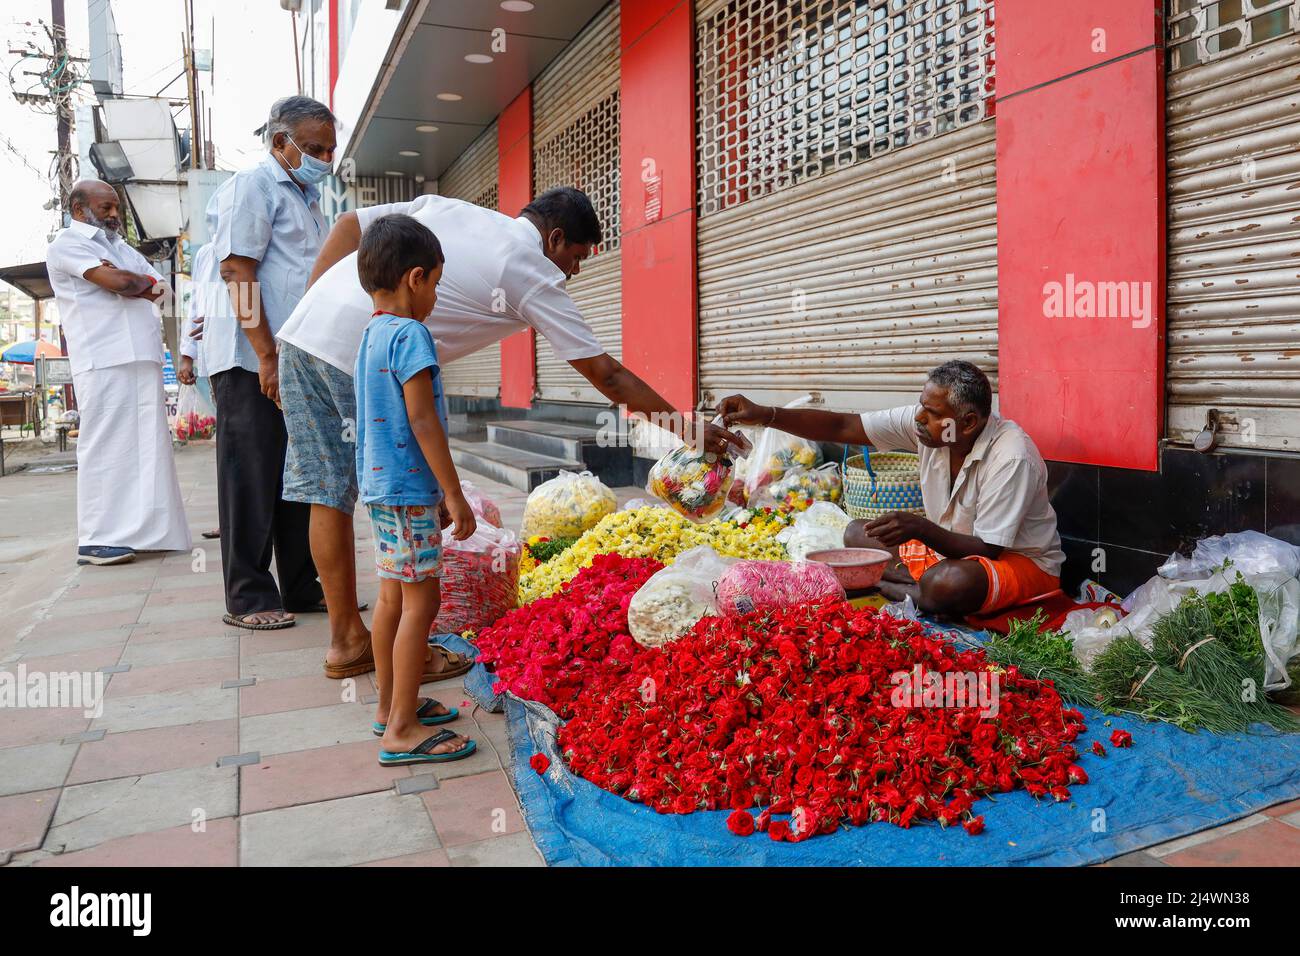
[[1204, 639], [1234, 619], [1042, 655], [543, 551]]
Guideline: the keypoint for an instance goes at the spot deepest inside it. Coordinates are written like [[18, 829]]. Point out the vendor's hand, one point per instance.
[[896, 527], [462, 516], [738, 410], [268, 376], [717, 440], [196, 332], [185, 374]]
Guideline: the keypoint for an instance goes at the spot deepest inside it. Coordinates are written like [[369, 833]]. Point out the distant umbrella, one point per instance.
[[26, 353]]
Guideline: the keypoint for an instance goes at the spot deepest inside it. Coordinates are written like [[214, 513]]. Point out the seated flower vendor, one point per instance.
[[988, 539]]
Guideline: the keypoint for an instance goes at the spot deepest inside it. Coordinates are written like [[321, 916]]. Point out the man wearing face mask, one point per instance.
[[502, 275], [266, 227], [128, 497]]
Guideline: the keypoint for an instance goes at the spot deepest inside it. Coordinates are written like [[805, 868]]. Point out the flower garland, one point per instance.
[[795, 712], [647, 533]]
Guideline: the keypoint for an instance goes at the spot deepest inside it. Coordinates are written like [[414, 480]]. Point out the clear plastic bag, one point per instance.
[[800, 488], [196, 419], [480, 579], [819, 528], [1250, 552], [777, 452], [635, 504], [672, 600], [693, 483], [770, 585], [567, 505], [482, 506]]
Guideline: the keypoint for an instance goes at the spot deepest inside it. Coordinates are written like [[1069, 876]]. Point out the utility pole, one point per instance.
[[62, 106], [191, 80]]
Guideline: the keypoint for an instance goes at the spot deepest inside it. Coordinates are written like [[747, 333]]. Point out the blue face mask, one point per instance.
[[309, 170]]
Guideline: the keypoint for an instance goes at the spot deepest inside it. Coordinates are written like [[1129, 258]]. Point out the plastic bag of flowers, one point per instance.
[[668, 605], [482, 506], [800, 488], [749, 586], [693, 483], [480, 579], [195, 416], [777, 452], [567, 505], [819, 528]]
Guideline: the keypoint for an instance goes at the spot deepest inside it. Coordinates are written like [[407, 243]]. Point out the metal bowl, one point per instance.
[[855, 568]]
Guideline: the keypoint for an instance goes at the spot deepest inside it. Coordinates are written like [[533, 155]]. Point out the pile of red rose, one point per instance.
[[791, 712], [550, 649]]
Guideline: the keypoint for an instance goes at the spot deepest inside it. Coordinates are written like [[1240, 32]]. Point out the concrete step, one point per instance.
[[612, 465], [544, 438], [512, 466]]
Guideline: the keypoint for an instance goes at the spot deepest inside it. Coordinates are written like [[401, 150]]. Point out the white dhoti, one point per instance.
[[128, 495]]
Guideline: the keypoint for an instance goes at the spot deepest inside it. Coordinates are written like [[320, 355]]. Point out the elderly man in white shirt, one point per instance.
[[128, 495], [988, 538], [502, 276]]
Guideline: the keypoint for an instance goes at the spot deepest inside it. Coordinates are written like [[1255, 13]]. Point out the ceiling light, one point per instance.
[[450, 97], [477, 58], [516, 6], [426, 128], [393, 172], [408, 152]]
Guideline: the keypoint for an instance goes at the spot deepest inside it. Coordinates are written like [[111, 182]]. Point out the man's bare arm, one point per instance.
[[239, 273], [343, 240], [121, 281]]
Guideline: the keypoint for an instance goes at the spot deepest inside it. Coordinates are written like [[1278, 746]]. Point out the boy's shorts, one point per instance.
[[320, 416], [408, 541], [1013, 578]]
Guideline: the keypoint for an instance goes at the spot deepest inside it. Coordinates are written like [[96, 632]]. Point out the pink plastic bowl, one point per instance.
[[855, 568]]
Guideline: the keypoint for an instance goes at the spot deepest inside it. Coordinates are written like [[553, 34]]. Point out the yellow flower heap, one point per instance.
[[650, 533]]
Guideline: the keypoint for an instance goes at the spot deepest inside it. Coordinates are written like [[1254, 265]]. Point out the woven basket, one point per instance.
[[895, 486]]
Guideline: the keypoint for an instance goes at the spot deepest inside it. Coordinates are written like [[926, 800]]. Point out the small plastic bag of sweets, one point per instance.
[[480, 579], [567, 505], [800, 487], [668, 605], [482, 506], [693, 483], [749, 586]]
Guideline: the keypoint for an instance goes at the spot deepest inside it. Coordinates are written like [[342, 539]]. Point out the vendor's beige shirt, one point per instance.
[[1000, 494]]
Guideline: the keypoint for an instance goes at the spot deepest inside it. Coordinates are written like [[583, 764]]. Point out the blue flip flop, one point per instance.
[[421, 754], [428, 721]]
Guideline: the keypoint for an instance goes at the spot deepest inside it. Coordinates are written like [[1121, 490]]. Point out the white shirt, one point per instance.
[[260, 213], [496, 281], [204, 283], [1000, 494], [103, 328]]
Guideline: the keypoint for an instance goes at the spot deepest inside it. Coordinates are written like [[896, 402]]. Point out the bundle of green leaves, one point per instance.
[[1043, 655]]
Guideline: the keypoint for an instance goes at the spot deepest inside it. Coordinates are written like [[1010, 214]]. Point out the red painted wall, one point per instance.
[[515, 191], [657, 159], [334, 48], [1081, 208]]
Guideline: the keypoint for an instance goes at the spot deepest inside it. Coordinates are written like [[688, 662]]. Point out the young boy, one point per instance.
[[407, 480]]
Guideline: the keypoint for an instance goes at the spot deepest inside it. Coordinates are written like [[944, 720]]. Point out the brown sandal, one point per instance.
[[457, 664], [363, 663]]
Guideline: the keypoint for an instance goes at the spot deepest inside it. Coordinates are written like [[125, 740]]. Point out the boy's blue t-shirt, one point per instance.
[[391, 469]]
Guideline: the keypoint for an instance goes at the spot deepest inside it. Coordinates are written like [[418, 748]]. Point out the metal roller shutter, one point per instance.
[[1233, 129], [576, 143], [848, 230], [473, 177]]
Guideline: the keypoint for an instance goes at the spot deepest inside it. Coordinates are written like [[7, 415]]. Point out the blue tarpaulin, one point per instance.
[[1170, 783]]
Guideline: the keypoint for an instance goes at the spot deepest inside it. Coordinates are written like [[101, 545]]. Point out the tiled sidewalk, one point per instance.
[[226, 747], [219, 746]]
